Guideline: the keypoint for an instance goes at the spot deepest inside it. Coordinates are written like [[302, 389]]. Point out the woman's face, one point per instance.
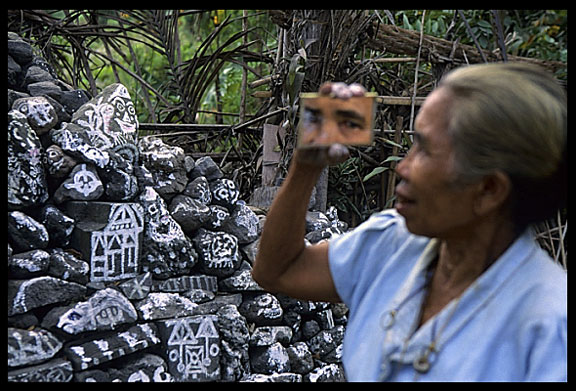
[[428, 197]]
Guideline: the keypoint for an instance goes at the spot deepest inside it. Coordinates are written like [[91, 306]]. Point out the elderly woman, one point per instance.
[[450, 285]]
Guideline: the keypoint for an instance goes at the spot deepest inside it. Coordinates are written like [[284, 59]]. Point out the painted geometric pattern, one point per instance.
[[115, 249]]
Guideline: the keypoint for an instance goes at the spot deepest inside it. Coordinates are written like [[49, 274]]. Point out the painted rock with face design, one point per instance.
[[109, 118]]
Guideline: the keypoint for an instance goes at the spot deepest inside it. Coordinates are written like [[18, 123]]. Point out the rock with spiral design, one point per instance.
[[217, 252]]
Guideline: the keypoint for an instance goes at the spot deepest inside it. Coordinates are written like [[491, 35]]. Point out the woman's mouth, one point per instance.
[[403, 202]]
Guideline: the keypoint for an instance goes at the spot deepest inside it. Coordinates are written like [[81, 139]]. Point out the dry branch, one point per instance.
[[397, 40]]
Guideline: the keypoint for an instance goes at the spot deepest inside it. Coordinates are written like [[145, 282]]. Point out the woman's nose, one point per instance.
[[403, 167]]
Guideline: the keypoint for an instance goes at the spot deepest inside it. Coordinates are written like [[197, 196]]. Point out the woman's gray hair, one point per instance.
[[511, 118]]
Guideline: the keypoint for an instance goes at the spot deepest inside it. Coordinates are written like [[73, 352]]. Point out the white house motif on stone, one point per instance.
[[116, 249]]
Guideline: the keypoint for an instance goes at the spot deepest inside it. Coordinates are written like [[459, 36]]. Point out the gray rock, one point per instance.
[[47, 88], [301, 360], [186, 283], [326, 373], [270, 359], [218, 215], [104, 310], [66, 266], [285, 377], [25, 295], [14, 76], [234, 362], [25, 233], [263, 309], [28, 264], [13, 96], [200, 296], [109, 118], [73, 100], [167, 251], [88, 354], [20, 50], [36, 74], [75, 141], [233, 326], [217, 252], [190, 213], [212, 306], [57, 370], [268, 335], [40, 114], [167, 164], [160, 305], [206, 167], [240, 281], [28, 347], [145, 369], [326, 342], [242, 223], [58, 225], [138, 287], [119, 179], [199, 189], [27, 185]]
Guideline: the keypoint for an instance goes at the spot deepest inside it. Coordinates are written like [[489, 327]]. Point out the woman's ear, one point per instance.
[[493, 192]]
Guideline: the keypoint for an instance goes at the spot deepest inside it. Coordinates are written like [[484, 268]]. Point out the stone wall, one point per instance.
[[130, 261]]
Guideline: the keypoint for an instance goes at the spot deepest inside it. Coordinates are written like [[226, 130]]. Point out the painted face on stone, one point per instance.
[[123, 117], [75, 319]]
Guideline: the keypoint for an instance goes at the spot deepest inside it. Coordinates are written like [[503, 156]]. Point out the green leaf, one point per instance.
[[376, 171], [392, 159]]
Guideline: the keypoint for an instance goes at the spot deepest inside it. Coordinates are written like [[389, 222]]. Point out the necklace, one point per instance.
[[422, 362]]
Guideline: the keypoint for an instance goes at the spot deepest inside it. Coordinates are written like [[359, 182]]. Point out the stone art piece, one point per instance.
[[224, 192], [218, 252], [115, 250], [98, 351], [138, 287], [109, 286], [83, 184], [26, 178], [109, 119], [40, 113], [186, 283], [27, 347], [104, 310], [54, 371], [74, 140], [167, 165], [58, 163], [25, 295], [110, 235], [167, 251], [192, 347]]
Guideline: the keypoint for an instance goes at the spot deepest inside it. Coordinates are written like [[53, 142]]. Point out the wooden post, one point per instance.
[[271, 152]]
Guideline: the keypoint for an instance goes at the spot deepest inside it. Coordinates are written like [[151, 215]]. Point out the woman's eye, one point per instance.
[[312, 117]]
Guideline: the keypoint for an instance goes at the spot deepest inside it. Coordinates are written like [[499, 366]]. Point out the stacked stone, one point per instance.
[[130, 261]]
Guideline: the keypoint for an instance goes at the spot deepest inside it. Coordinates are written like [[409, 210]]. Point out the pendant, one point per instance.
[[421, 364], [388, 319]]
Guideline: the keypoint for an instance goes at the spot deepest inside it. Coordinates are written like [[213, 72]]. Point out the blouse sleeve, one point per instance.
[[359, 255], [547, 357]]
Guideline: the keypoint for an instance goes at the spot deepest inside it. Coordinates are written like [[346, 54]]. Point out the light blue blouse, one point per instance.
[[509, 325]]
